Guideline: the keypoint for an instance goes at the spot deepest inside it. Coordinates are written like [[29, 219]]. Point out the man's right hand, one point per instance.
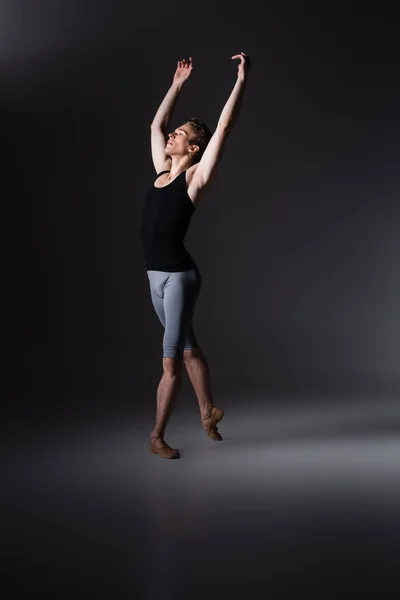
[[183, 70]]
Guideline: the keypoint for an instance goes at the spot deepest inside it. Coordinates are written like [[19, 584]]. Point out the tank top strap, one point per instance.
[[162, 173]]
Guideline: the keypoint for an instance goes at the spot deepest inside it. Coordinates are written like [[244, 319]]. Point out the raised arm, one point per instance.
[[212, 154], [164, 113]]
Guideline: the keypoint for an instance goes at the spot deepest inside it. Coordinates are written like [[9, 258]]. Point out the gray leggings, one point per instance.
[[174, 297]]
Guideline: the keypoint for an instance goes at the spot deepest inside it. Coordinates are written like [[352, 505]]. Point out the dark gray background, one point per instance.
[[298, 240], [298, 244]]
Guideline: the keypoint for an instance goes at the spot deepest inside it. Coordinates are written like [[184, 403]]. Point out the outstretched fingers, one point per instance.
[[185, 63], [183, 70]]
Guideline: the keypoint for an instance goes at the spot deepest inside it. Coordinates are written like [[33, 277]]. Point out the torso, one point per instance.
[[195, 194], [165, 220]]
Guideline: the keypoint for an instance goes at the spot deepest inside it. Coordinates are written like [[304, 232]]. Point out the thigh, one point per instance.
[[180, 296], [191, 340], [157, 280]]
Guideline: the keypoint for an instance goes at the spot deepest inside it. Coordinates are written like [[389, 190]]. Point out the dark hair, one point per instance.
[[202, 136]]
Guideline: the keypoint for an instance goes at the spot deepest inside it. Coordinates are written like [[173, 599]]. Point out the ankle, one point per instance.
[[206, 413]]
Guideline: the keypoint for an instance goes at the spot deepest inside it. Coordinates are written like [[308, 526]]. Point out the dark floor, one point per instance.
[[300, 500]]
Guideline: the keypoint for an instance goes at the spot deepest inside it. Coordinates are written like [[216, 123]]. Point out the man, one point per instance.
[[186, 165]]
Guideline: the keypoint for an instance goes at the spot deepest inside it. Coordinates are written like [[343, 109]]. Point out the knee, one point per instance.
[[172, 366], [189, 355]]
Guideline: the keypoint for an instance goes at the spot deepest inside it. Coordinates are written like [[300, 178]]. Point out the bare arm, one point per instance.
[[164, 114], [165, 111], [232, 107], [212, 154]]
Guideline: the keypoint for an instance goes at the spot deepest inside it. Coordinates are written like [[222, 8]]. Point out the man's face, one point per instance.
[[178, 141]]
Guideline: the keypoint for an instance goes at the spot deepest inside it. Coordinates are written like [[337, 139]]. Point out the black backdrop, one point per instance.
[[297, 242]]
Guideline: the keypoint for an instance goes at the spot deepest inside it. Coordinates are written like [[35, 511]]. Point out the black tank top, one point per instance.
[[165, 220]]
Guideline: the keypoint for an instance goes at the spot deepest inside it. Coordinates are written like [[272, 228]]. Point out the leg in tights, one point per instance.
[[174, 297]]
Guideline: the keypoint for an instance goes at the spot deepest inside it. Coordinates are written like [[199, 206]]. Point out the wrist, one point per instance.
[[177, 84]]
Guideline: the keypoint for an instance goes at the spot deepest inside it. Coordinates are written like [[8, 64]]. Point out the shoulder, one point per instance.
[[196, 192], [166, 166]]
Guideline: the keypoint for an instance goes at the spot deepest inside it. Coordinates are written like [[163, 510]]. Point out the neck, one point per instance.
[[178, 164]]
